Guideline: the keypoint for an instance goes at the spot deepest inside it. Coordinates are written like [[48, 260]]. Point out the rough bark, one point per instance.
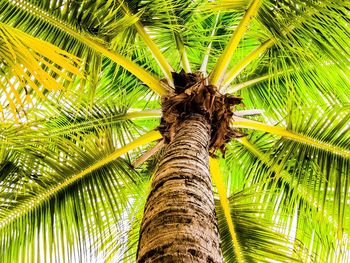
[[179, 223]]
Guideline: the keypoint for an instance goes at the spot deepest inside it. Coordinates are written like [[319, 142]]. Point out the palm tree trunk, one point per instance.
[[179, 223]]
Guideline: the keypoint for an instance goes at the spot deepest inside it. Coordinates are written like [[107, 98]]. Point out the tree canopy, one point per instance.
[[81, 83]]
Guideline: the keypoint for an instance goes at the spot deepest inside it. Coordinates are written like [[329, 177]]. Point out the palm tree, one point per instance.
[[113, 111]]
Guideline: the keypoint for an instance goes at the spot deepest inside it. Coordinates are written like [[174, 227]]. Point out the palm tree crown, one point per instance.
[[88, 90]]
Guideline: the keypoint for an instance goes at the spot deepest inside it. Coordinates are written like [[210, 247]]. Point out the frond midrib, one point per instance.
[[151, 81], [245, 123], [41, 198]]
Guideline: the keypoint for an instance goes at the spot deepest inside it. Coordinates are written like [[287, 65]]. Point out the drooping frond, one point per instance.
[[262, 239], [309, 182], [288, 134], [38, 189], [30, 67], [90, 210], [70, 31]]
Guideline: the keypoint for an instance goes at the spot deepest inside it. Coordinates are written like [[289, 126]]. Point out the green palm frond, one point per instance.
[[333, 168], [218, 72], [70, 32], [71, 217], [292, 61], [260, 239], [289, 134], [31, 67], [309, 182], [304, 27], [45, 190]]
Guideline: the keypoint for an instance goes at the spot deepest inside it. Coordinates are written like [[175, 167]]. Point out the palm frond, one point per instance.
[[220, 186], [304, 27], [240, 66], [262, 239], [14, 9], [21, 209], [90, 210], [224, 60], [158, 55], [47, 189], [300, 138], [167, 22], [304, 13], [30, 65], [302, 190], [280, 86], [308, 180]]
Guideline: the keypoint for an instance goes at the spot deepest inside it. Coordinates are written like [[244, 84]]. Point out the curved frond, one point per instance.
[[262, 239], [18, 8], [307, 182], [36, 201], [30, 65], [289, 134], [90, 210]]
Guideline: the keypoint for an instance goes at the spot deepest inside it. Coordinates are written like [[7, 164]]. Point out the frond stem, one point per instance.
[[225, 204], [41, 198], [240, 66], [132, 67], [220, 68], [286, 177], [157, 54], [279, 131], [204, 65]]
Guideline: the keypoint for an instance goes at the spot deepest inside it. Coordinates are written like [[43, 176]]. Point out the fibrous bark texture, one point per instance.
[[179, 223], [191, 95]]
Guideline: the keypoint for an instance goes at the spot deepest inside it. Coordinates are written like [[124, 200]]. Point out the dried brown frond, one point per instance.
[[192, 96]]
